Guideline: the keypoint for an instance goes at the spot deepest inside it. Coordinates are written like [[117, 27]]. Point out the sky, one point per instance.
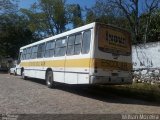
[[82, 3]]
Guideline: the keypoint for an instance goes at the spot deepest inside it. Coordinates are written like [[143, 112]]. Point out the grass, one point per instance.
[[142, 91]]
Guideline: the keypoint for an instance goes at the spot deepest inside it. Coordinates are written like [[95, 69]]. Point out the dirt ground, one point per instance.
[[18, 96]]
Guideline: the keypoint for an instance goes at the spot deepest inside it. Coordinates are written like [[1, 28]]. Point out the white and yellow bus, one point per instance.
[[92, 54]]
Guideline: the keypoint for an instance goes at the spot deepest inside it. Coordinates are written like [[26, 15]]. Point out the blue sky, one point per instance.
[[82, 3]]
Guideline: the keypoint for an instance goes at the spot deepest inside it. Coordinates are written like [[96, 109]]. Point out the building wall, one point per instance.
[[146, 56]]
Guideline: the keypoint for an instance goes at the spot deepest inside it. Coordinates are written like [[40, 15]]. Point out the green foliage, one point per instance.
[[90, 16], [14, 32], [13, 35], [154, 28], [59, 17], [75, 15], [144, 25], [8, 6], [37, 22], [43, 19], [47, 17], [106, 13], [50, 17]]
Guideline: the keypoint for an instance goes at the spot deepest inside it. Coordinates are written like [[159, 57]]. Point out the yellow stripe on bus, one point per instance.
[[94, 63], [59, 63], [112, 65]]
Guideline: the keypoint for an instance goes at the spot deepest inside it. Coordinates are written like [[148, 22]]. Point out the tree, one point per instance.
[[90, 16], [154, 28], [48, 17], [37, 23], [13, 34], [13, 31], [127, 14], [151, 9], [132, 12], [8, 7], [75, 15], [105, 12], [55, 13]]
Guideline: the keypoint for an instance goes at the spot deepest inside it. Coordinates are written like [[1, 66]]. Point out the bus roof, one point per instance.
[[85, 27], [88, 26]]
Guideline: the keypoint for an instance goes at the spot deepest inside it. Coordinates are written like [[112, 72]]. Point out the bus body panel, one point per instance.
[[114, 65], [103, 64]]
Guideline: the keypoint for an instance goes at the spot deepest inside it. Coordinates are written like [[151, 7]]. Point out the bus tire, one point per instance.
[[23, 75], [15, 74], [49, 79]]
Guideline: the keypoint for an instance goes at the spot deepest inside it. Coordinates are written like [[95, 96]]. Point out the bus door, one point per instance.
[[59, 59]]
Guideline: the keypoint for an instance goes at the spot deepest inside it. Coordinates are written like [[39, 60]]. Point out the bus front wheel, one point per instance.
[[15, 73], [23, 75], [49, 79]]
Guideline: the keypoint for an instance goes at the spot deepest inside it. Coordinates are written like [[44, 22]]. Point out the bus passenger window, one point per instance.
[[74, 44], [34, 52], [40, 52], [49, 50], [61, 45], [28, 53], [24, 54], [21, 56], [77, 47], [86, 42], [70, 48]]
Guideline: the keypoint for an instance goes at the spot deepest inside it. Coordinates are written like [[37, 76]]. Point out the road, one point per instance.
[[32, 96]]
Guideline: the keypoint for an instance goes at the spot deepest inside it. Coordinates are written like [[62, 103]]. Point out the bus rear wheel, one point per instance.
[[49, 79]]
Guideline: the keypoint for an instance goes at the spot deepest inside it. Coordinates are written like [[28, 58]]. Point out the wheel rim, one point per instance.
[[23, 75], [49, 79]]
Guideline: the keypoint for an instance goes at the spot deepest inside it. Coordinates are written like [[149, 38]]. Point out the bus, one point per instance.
[[92, 54]]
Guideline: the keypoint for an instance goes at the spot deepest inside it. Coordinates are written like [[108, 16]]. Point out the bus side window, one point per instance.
[[61, 45], [77, 46], [34, 52], [86, 42], [49, 50], [74, 44], [21, 56], [29, 56], [28, 52], [40, 52], [24, 54], [70, 48]]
